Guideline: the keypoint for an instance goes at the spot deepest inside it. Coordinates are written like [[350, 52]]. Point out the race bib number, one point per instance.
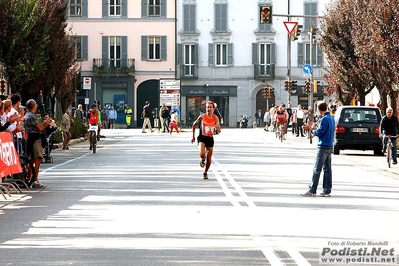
[[93, 127], [208, 130]]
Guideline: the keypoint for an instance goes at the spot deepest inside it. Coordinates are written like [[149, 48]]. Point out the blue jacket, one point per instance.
[[325, 131]]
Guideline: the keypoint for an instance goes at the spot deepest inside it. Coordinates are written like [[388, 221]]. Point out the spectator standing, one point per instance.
[[34, 146], [165, 118], [258, 117], [104, 117], [52, 127], [146, 115], [21, 122], [112, 116], [266, 120], [173, 122], [218, 114], [66, 127], [273, 111], [325, 133], [79, 113], [5, 121], [299, 117], [16, 127], [289, 112], [128, 113]]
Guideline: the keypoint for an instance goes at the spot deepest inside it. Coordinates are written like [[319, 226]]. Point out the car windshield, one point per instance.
[[360, 115]]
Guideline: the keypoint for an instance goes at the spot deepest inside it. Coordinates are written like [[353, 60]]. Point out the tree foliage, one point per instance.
[[39, 53], [360, 39]]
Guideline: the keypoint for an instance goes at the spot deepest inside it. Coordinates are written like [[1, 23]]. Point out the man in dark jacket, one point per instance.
[[146, 115], [389, 126]]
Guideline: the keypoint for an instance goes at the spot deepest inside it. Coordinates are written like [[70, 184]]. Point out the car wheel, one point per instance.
[[336, 150]]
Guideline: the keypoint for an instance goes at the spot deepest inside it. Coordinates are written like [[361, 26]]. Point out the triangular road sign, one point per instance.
[[290, 26]]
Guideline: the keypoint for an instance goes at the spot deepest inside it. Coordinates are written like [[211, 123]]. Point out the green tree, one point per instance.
[[360, 41], [346, 75], [40, 53]]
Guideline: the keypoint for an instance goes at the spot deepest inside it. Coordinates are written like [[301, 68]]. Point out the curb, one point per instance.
[[73, 141]]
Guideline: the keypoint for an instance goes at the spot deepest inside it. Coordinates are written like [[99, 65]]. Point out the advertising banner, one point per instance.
[[9, 159]]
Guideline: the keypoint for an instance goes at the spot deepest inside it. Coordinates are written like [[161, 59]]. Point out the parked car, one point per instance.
[[357, 128]]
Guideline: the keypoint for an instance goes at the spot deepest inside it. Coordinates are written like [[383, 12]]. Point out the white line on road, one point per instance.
[[64, 163]]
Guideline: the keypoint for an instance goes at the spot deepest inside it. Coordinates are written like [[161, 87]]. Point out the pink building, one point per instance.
[[125, 47]]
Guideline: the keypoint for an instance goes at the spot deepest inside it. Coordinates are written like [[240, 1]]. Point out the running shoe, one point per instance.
[[37, 184], [308, 194], [202, 163], [324, 194], [205, 175]]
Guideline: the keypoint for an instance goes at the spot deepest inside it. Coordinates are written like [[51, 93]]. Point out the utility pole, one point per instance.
[[289, 53], [312, 32]]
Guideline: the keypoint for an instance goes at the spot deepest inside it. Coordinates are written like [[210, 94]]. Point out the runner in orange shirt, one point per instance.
[[209, 122]]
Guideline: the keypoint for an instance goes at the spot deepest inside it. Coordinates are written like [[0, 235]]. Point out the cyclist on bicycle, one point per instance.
[[281, 119], [389, 126], [92, 118]]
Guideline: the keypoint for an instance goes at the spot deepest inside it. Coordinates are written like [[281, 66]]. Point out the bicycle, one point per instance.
[[280, 132], [389, 148], [93, 130]]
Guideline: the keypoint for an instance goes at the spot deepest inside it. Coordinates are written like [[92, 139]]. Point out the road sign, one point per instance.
[[86, 83], [169, 92], [290, 26], [307, 69]]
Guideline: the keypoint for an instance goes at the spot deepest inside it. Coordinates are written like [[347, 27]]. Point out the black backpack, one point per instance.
[[165, 113]]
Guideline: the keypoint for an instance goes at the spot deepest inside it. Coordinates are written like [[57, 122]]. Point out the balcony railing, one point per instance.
[[188, 71], [262, 71], [126, 65]]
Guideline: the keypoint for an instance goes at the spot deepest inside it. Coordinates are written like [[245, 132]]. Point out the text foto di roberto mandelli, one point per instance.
[[357, 243]]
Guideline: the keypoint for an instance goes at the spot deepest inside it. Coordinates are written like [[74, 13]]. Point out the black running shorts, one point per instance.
[[208, 141]]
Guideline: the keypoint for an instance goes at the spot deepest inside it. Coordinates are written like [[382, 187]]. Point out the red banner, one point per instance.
[[9, 159]]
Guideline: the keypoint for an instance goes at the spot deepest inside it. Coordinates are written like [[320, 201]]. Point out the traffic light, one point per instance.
[[315, 85], [296, 32], [294, 85], [266, 16], [264, 92], [313, 32], [307, 86], [287, 85]]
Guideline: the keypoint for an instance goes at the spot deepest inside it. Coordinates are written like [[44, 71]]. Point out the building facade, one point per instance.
[[125, 47], [218, 49], [227, 53]]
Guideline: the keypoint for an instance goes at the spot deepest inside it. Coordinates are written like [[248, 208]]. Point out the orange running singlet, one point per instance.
[[208, 125]]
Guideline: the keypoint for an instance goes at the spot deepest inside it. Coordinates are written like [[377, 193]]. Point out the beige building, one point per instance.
[[126, 47]]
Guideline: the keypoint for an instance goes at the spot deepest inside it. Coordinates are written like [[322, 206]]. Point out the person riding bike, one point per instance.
[[389, 126], [92, 118], [281, 119]]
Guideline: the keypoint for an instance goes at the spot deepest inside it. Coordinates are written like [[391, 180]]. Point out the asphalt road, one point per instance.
[[141, 200]]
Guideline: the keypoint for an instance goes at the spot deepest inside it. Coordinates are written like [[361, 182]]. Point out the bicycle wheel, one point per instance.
[[389, 154], [310, 136], [281, 133], [94, 141]]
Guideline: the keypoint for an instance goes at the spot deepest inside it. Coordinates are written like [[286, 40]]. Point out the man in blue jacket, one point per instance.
[[325, 133]]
